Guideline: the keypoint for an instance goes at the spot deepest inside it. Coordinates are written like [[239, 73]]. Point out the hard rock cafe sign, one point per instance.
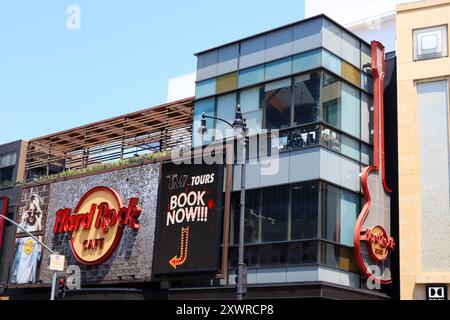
[[96, 224], [373, 245]]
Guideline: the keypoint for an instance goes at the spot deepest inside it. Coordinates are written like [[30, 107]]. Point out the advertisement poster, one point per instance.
[[189, 222], [28, 252], [26, 260]]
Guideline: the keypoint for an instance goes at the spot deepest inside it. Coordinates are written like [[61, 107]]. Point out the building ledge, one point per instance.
[[421, 4], [435, 277]]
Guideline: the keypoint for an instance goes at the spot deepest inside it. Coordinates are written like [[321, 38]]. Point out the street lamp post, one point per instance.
[[55, 273], [240, 125]]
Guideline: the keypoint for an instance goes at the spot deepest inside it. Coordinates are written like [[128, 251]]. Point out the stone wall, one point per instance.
[[133, 257]]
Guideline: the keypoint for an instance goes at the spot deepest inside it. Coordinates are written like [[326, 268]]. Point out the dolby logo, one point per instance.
[[437, 292]]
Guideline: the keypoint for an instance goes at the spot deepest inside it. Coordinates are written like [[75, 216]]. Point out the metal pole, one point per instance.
[[52, 296], [242, 288]]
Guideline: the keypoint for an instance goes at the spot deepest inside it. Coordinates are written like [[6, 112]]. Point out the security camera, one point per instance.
[[368, 68]]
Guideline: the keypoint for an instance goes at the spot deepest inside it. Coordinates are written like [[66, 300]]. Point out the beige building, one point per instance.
[[423, 133]]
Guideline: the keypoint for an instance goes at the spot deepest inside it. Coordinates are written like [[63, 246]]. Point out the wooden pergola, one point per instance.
[[156, 129]]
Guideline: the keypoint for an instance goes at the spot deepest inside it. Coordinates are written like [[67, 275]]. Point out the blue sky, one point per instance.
[[119, 61]]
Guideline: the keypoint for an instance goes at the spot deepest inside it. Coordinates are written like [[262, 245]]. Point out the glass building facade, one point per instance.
[[306, 80]]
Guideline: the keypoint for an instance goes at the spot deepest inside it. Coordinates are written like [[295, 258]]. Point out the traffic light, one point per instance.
[[61, 283]]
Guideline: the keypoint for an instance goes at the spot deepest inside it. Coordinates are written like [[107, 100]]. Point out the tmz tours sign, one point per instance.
[[97, 223], [189, 219]]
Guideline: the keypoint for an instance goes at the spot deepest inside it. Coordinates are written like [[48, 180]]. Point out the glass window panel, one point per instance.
[[331, 62], [351, 116], [207, 65], [252, 52], [307, 98], [305, 211], [251, 76], [8, 159], [302, 252], [366, 154], [254, 120], [307, 36], [226, 109], [279, 44], [350, 147], [278, 107], [330, 254], [206, 106], [252, 214], [366, 117], [278, 69], [228, 59], [347, 260], [6, 177], [349, 213], [332, 37], [350, 49], [351, 74], [205, 88], [331, 100], [251, 99], [330, 196], [366, 55], [430, 43], [278, 84], [307, 61], [274, 214], [226, 83], [251, 102]]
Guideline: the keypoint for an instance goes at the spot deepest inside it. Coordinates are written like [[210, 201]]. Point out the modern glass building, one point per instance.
[[308, 81]]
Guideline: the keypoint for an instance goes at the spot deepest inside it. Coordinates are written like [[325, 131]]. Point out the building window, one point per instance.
[[430, 43], [330, 204], [341, 105], [278, 69], [305, 206], [226, 83], [278, 104], [274, 214], [207, 106], [228, 59], [252, 52], [307, 98], [331, 100], [226, 109], [251, 76], [307, 61], [251, 101], [207, 65], [205, 88], [351, 110], [252, 216], [350, 203], [7, 164]]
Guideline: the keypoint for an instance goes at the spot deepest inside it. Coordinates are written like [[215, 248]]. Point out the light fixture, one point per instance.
[[203, 130]]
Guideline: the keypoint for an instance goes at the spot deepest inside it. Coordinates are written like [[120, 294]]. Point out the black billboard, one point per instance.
[[189, 222]]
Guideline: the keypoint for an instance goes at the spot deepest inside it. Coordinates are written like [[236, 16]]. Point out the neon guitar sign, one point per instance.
[[373, 245]]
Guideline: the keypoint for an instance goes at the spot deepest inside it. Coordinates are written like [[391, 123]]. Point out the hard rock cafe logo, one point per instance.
[[97, 223], [378, 243], [28, 246]]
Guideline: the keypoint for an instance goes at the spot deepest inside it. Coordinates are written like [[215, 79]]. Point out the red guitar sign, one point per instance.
[[373, 245], [184, 246]]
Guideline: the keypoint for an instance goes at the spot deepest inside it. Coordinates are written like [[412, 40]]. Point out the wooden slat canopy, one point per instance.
[[151, 130]]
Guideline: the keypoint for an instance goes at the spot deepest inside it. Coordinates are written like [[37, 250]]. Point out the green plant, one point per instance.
[[97, 167]]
